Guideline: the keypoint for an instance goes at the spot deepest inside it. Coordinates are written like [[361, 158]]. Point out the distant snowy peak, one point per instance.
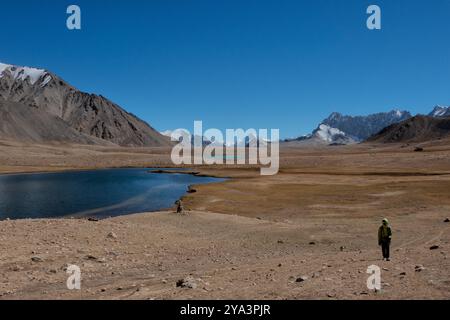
[[327, 133], [440, 112], [32, 75], [331, 135]]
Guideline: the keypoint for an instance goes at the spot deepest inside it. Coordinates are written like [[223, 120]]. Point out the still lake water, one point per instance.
[[99, 193]]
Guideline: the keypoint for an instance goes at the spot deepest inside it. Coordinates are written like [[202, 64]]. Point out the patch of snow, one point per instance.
[[327, 133], [440, 111], [24, 73]]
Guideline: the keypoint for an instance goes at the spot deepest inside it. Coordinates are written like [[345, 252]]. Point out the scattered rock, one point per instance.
[[91, 257], [342, 248], [312, 243], [112, 235], [280, 241], [37, 259], [187, 282], [419, 268], [434, 247], [418, 149], [93, 219], [301, 279], [402, 274]]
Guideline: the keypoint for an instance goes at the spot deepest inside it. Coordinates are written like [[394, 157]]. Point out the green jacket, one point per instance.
[[384, 234]]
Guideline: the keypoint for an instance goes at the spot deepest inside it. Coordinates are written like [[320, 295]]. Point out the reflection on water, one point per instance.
[[100, 193]]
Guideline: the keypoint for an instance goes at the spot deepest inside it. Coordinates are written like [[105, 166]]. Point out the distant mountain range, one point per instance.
[[38, 106], [344, 129]]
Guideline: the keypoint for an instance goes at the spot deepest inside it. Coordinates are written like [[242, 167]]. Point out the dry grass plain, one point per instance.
[[250, 237]]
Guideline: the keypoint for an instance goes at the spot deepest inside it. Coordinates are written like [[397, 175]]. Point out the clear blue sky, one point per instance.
[[240, 63]]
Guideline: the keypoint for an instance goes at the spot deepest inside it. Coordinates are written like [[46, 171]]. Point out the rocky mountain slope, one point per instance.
[[416, 129], [74, 116], [20, 122]]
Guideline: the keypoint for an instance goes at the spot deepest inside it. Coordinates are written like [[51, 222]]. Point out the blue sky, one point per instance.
[[240, 63]]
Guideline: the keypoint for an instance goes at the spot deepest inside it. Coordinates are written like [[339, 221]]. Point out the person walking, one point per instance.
[[180, 208], [384, 239]]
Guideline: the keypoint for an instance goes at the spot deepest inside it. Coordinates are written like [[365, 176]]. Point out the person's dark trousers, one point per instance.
[[385, 248]]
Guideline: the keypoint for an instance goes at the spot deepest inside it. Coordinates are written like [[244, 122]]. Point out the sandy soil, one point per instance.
[[250, 237]]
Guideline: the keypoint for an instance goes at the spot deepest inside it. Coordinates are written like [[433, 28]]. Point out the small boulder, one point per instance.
[[447, 220], [434, 247], [418, 149], [301, 279], [112, 235], [419, 268], [187, 282], [37, 259]]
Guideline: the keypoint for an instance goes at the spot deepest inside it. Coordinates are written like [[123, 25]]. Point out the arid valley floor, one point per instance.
[[250, 237]]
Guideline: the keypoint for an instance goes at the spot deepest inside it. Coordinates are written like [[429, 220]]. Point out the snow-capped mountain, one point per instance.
[[343, 129], [33, 75], [362, 127], [440, 112], [80, 117], [332, 135], [323, 135]]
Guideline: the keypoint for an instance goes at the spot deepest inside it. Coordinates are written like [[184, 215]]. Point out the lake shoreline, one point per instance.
[[123, 191]]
